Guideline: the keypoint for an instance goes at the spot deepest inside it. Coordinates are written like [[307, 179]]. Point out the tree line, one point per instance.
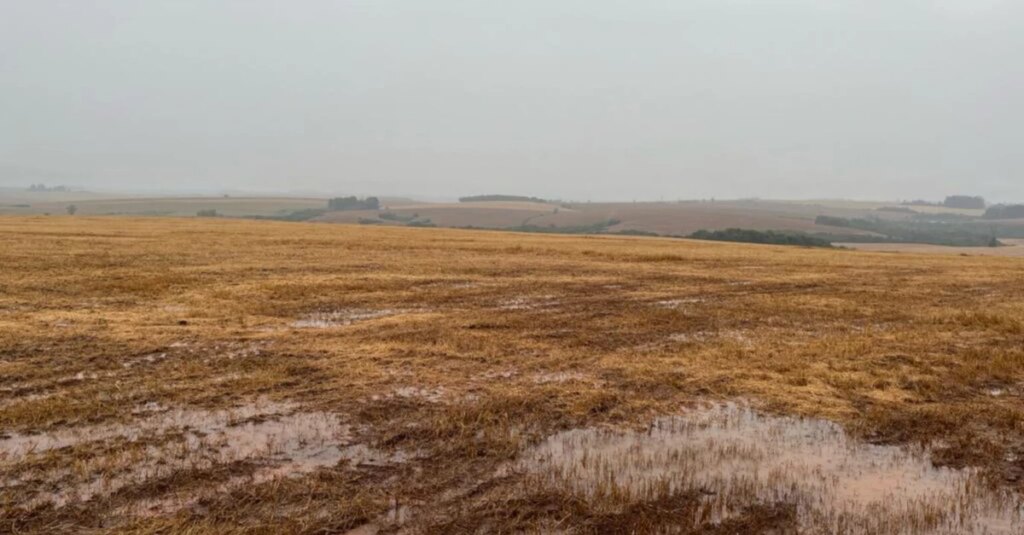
[[506, 198], [353, 203]]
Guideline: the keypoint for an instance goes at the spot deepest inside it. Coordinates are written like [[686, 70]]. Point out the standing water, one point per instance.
[[734, 457]]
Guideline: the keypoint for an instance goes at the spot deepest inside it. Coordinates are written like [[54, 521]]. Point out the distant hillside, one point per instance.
[[940, 232], [88, 204], [491, 198]]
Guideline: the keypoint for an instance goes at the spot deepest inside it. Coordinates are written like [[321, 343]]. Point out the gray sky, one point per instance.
[[589, 99]]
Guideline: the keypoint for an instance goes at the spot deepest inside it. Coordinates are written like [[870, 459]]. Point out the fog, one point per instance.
[[578, 100]]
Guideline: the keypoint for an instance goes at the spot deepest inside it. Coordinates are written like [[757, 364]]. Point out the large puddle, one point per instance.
[[734, 457], [278, 439], [151, 419]]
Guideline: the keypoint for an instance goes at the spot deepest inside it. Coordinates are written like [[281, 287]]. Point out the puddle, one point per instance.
[[528, 303], [15, 446], [430, 395], [740, 337], [499, 374], [78, 377], [558, 377], [149, 407], [456, 284], [24, 398], [145, 359], [337, 318], [363, 455], [699, 336], [159, 442], [242, 351], [220, 350], [357, 455], [433, 395], [677, 303], [735, 457], [1012, 390]]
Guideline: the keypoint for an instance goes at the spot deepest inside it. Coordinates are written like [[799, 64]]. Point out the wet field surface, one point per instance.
[[338, 318], [275, 439], [729, 454], [734, 456], [228, 377]]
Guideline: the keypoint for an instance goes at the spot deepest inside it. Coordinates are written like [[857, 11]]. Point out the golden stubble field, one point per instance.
[[211, 376]]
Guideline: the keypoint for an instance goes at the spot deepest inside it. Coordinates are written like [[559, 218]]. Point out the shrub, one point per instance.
[[391, 216], [758, 236], [637, 232], [595, 228]]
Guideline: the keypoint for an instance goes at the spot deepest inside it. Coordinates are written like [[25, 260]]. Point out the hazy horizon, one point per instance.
[[115, 192], [575, 100]]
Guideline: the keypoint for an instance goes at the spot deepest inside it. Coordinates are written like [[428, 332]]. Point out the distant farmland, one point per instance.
[[476, 214], [1013, 248], [668, 219], [167, 206], [654, 218]]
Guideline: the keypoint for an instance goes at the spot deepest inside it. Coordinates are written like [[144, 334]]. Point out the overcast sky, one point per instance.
[[589, 99]]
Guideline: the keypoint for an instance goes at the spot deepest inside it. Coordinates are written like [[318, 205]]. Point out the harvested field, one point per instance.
[[1014, 248], [158, 206], [475, 214], [665, 218], [217, 376], [683, 218]]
